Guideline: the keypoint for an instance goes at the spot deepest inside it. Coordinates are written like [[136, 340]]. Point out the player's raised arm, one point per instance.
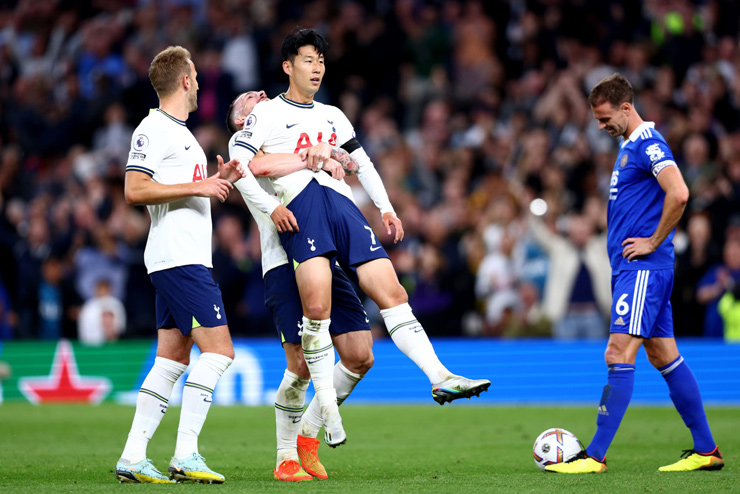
[[368, 176], [231, 171], [373, 185]]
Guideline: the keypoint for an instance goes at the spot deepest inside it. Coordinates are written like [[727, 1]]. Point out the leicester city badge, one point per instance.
[[624, 160]]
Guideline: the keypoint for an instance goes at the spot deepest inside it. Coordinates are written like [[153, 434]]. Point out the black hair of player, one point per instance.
[[300, 38], [233, 129]]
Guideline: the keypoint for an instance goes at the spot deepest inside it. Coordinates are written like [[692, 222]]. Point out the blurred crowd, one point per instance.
[[473, 111]]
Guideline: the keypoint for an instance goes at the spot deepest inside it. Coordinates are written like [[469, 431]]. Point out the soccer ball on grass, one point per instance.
[[555, 446]]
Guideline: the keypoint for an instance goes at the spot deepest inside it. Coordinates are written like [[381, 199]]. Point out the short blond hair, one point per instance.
[[167, 68]]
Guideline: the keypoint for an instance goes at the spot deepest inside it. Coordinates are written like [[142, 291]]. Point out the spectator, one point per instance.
[[102, 318], [693, 259], [108, 257], [50, 305], [729, 310], [477, 100], [496, 286], [8, 318], [578, 291], [529, 321], [715, 282]]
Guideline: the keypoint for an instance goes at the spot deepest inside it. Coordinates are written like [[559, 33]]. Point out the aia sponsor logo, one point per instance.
[[199, 173], [304, 142]]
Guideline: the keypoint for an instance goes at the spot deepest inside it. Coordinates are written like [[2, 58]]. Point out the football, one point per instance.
[[555, 446]]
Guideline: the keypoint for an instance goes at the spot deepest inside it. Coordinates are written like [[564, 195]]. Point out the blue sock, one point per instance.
[[684, 391], [614, 401]]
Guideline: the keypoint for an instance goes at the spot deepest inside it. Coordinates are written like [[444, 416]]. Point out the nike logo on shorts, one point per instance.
[[289, 126], [373, 249]]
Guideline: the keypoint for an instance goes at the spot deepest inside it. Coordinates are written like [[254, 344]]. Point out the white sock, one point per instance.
[[288, 410], [344, 382], [318, 350], [410, 337], [151, 404], [196, 401]]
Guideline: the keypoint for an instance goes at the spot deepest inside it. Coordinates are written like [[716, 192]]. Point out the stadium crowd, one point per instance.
[[470, 109]]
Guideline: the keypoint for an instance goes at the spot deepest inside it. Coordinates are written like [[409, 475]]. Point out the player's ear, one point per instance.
[[288, 67], [626, 108]]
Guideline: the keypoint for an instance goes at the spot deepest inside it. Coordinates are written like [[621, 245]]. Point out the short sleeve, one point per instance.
[[148, 148], [248, 141], [250, 189], [656, 155], [345, 131]]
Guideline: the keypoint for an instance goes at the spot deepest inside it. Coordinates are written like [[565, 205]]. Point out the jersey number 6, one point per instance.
[[622, 306]]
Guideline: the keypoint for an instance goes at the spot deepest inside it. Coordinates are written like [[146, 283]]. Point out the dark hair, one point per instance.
[[302, 37], [615, 89], [233, 129]]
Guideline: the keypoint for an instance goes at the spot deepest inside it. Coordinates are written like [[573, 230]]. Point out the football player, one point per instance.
[[647, 197], [332, 229]]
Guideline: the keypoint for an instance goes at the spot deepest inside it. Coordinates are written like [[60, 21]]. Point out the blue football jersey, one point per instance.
[[636, 199]]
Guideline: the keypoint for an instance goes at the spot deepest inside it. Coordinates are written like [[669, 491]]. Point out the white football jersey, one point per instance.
[[261, 200], [284, 126], [180, 231]]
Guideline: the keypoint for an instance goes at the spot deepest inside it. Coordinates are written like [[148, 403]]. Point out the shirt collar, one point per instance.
[[295, 103], [639, 130]]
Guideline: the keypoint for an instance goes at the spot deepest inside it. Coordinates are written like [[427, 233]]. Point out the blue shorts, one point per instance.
[[332, 226], [641, 303], [284, 301], [187, 298]]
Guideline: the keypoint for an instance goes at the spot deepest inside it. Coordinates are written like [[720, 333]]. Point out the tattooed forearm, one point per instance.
[[348, 163]]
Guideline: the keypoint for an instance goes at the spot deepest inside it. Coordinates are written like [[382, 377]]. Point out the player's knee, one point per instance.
[[359, 362], [396, 296], [657, 359], [401, 297], [317, 310], [367, 364], [360, 367], [181, 356], [613, 355], [299, 367]]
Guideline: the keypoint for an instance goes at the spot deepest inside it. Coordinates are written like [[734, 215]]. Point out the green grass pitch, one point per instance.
[[390, 449]]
